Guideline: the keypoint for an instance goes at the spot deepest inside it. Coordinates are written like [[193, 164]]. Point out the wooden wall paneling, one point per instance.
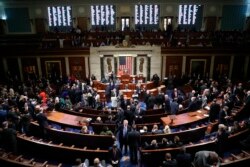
[[238, 68], [57, 66], [173, 65], [200, 64], [40, 25], [13, 69], [77, 67], [82, 22], [30, 68], [211, 23], [221, 66]]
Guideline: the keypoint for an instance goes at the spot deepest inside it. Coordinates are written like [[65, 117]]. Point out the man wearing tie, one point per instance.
[[123, 135]]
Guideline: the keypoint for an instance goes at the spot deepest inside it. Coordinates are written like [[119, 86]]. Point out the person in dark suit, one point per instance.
[[123, 135], [129, 115], [167, 107], [8, 138], [134, 142], [223, 116], [42, 121], [174, 107], [193, 104], [221, 140], [214, 111], [124, 102], [169, 162], [115, 155], [156, 80], [205, 159], [119, 116], [183, 159]]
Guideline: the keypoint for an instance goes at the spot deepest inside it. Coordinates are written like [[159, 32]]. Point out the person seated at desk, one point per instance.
[[85, 130], [98, 163], [166, 130], [152, 146], [106, 131], [155, 129], [144, 130], [134, 80], [99, 120], [79, 163], [165, 143], [169, 161], [177, 142]]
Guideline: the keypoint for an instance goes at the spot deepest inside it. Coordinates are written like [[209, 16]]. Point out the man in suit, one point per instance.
[[223, 116], [174, 107], [193, 104], [169, 161], [205, 159], [183, 159], [42, 121], [123, 135], [214, 111], [134, 142], [115, 155], [8, 138]]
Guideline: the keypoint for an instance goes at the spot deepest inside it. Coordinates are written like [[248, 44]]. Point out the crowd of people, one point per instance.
[[31, 100], [167, 38]]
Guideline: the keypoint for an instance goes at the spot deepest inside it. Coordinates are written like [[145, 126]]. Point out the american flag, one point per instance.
[[125, 63]]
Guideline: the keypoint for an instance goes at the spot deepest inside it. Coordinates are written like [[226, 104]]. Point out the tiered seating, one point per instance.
[[240, 159], [10, 159], [57, 151], [189, 135], [157, 155], [70, 138]]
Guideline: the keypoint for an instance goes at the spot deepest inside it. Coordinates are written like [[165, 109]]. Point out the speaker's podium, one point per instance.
[[125, 78]]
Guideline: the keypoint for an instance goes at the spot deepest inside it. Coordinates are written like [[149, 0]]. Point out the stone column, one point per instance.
[[67, 65], [211, 67], [87, 66], [38, 60], [20, 68], [183, 69]]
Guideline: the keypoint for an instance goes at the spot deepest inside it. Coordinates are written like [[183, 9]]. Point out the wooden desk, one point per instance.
[[128, 93], [125, 79], [186, 118], [67, 119]]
